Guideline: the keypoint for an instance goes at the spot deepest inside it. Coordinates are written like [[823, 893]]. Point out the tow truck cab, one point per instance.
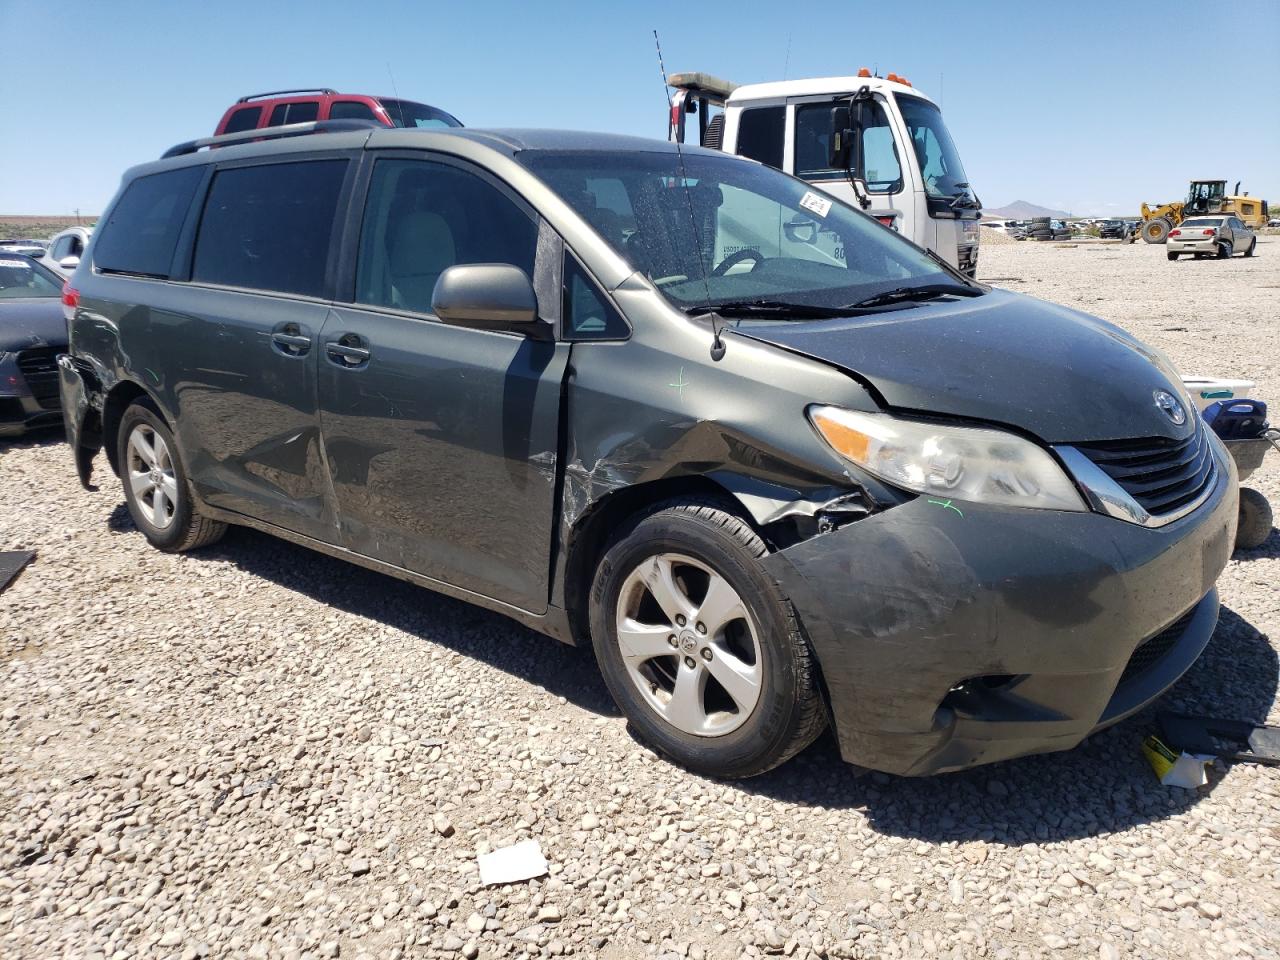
[[874, 142]]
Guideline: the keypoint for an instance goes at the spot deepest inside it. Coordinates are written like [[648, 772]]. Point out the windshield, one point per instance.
[[732, 230], [21, 278], [406, 113], [936, 152]]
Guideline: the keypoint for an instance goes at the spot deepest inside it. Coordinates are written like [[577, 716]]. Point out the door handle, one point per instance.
[[291, 340], [346, 354]]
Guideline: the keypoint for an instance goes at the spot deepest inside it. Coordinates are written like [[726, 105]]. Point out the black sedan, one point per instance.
[[33, 331]]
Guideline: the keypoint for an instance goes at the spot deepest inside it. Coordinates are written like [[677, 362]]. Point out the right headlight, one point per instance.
[[963, 463]]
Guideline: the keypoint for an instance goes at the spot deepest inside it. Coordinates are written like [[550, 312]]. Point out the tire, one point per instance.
[[687, 550], [1252, 247], [1172, 256], [1156, 230], [156, 489], [1224, 251], [1255, 519]]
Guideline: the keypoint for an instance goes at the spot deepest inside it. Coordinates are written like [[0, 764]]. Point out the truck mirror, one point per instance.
[[841, 138]]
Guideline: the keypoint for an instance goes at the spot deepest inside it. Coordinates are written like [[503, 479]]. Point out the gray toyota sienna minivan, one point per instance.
[[778, 466]]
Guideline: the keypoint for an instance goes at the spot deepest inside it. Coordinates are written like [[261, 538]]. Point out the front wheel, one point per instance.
[[699, 647], [1255, 519], [155, 484], [1172, 256]]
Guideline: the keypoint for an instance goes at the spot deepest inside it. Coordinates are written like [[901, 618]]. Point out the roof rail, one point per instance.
[[281, 93], [270, 133]]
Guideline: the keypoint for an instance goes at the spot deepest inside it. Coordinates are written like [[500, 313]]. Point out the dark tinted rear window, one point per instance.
[[246, 118], [760, 131], [294, 113], [351, 110], [143, 227], [269, 227]]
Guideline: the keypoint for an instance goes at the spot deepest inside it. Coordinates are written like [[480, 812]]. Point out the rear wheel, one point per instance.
[[1224, 251], [699, 647], [1156, 230], [1253, 245], [156, 490]]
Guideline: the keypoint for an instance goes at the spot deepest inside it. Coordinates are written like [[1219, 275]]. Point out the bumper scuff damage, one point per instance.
[[949, 638]]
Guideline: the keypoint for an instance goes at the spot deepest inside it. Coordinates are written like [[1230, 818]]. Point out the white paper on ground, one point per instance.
[[1188, 771], [523, 861]]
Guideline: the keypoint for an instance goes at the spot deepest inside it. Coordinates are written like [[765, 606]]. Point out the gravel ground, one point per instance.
[[255, 751]]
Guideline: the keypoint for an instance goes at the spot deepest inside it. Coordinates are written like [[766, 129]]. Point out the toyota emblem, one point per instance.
[[1172, 409]]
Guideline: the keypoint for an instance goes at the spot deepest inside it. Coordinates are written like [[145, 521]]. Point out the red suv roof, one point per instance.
[[280, 107]]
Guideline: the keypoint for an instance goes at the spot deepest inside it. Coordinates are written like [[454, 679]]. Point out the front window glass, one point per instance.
[[406, 113], [731, 231], [422, 218], [21, 278], [935, 151], [879, 169]]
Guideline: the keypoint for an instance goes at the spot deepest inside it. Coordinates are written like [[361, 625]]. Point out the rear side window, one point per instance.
[[302, 112], [760, 132], [351, 110], [246, 118], [270, 227], [422, 218], [140, 234]]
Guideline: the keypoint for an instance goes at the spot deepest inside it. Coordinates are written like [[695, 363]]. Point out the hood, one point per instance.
[[1005, 358], [34, 322]]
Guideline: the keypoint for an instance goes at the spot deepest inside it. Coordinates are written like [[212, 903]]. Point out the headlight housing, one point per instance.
[[976, 464]]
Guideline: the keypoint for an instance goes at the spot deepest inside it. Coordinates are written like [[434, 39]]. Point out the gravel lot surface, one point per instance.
[[255, 751]]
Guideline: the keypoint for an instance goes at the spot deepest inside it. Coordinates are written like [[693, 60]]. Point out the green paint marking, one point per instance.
[[155, 375], [680, 383], [1216, 394], [948, 505]]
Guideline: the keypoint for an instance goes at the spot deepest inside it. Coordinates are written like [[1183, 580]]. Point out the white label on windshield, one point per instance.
[[819, 205], [13, 263]]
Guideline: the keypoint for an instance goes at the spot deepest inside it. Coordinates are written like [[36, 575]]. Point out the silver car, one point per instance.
[[66, 248], [1218, 236]]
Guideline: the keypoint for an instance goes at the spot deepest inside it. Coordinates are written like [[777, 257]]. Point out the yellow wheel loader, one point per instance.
[[1205, 196]]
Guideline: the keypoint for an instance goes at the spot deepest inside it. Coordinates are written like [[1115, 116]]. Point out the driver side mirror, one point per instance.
[[69, 263], [487, 296], [841, 141]]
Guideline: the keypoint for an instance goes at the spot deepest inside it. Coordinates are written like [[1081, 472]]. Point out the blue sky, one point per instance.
[[1068, 105]]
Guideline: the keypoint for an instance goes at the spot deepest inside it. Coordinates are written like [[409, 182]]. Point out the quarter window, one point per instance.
[[351, 110], [246, 118], [422, 218], [760, 133], [270, 227], [140, 234], [588, 315]]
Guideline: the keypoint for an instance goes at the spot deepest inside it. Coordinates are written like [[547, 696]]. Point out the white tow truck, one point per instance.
[[874, 142]]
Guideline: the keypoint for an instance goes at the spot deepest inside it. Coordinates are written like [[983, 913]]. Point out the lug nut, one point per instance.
[[680, 619], [672, 640], [702, 628], [689, 662], [706, 654]]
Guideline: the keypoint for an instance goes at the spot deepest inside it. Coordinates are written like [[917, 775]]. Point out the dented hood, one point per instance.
[[32, 322], [1003, 357]]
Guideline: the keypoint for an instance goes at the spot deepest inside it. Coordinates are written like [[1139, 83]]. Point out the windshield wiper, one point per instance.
[[770, 308], [924, 291]]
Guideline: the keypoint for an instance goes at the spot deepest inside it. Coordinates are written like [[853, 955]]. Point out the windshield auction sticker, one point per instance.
[[819, 205]]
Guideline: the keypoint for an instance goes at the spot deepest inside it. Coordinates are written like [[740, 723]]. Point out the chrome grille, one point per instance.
[[1161, 475]]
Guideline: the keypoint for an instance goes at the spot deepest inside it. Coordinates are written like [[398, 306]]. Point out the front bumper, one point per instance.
[[951, 639]]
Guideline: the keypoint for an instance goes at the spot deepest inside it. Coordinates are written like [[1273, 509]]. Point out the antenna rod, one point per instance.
[[717, 344]]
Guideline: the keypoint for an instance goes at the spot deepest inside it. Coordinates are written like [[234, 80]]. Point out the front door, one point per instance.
[[441, 441]]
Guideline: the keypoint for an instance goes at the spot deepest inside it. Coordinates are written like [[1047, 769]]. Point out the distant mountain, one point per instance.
[[1021, 210]]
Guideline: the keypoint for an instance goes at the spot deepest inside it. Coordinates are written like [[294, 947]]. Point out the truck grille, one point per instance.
[[1152, 650], [1161, 475], [40, 370], [967, 260]]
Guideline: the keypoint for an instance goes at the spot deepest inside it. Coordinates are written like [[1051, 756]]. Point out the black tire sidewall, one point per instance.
[[768, 730], [171, 536]]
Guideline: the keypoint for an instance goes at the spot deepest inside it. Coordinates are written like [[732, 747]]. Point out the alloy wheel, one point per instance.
[[689, 645], [151, 476]]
